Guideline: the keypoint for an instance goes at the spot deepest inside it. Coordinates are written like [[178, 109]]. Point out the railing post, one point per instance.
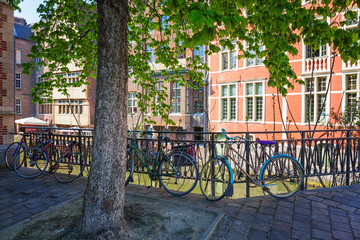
[[212, 145], [247, 149], [348, 152], [302, 156]]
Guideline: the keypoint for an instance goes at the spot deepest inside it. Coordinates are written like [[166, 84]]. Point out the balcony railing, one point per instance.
[[318, 64], [330, 158], [349, 66]]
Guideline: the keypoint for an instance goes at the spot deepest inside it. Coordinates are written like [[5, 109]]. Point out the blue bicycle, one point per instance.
[[281, 175]]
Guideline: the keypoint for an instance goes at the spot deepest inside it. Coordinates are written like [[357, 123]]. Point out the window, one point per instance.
[[198, 136], [199, 52], [159, 87], [254, 101], [320, 51], [256, 60], [45, 108], [18, 56], [18, 80], [199, 100], [18, 106], [351, 92], [315, 99], [181, 51], [74, 107], [175, 98], [229, 58], [228, 102], [353, 23], [151, 52], [132, 103]]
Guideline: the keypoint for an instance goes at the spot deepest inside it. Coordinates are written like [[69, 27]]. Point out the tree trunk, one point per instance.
[[105, 193]]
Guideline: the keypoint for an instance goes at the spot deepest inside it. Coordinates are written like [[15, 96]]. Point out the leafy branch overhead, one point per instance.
[[67, 34]]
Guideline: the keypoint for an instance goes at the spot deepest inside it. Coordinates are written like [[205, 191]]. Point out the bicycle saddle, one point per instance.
[[263, 142]]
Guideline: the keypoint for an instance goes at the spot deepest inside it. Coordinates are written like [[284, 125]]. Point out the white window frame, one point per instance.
[[228, 52], [18, 56], [350, 91], [176, 97], [18, 80], [315, 92], [353, 25], [228, 97], [254, 96], [133, 108], [18, 106], [256, 60]]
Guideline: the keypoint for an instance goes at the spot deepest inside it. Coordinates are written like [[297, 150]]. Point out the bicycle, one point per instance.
[[281, 175], [66, 168], [176, 171], [14, 148]]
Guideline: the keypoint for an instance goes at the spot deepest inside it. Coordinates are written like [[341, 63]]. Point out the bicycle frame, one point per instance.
[[145, 160]]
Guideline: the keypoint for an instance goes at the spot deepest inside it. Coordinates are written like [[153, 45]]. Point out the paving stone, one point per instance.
[[347, 208], [281, 226], [340, 219], [341, 226], [267, 210], [355, 225], [302, 218], [276, 234], [337, 234], [321, 225], [255, 234], [320, 234], [330, 203], [300, 234], [338, 212], [315, 198]]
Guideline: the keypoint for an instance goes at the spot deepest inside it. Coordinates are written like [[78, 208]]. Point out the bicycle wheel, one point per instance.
[[282, 176], [30, 162], [178, 173], [69, 167], [129, 167], [215, 178], [11, 152]]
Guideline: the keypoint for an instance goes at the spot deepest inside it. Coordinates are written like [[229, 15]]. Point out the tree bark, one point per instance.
[[105, 193]]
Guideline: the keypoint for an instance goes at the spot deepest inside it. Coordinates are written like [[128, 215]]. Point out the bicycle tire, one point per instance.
[[282, 176], [69, 167], [178, 173], [129, 167], [11, 152], [215, 177], [35, 162]]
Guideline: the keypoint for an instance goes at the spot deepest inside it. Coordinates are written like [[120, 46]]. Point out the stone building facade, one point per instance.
[[24, 107], [7, 99]]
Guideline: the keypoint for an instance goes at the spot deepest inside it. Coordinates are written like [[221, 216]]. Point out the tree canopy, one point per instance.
[[67, 32]]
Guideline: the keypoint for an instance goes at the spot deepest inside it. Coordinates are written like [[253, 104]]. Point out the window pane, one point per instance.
[[321, 84], [224, 91], [225, 61], [309, 108], [309, 85], [249, 89], [259, 108], [232, 108], [322, 112], [259, 88], [233, 60], [249, 108], [351, 81], [224, 106], [232, 90]]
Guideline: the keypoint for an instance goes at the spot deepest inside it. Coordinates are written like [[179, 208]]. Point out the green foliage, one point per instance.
[[68, 33]]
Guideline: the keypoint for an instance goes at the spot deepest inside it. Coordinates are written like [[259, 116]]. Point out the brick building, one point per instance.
[[240, 99], [188, 106], [24, 107], [7, 100]]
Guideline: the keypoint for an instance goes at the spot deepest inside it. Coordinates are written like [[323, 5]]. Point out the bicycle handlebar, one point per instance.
[[225, 134]]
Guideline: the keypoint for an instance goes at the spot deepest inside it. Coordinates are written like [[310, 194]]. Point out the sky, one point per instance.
[[28, 10]]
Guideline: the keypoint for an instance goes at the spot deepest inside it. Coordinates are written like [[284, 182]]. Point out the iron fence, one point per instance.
[[329, 157]]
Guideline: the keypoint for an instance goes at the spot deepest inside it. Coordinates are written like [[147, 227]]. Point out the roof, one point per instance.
[[32, 121], [23, 32]]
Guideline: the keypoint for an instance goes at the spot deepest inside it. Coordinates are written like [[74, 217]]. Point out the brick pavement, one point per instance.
[[321, 214]]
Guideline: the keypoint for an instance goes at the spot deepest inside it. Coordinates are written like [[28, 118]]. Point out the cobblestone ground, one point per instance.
[[322, 214]]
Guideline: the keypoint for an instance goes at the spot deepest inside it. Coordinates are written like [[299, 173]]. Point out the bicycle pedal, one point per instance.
[[131, 179]]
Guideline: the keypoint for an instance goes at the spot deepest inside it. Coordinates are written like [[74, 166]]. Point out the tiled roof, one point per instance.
[[23, 32]]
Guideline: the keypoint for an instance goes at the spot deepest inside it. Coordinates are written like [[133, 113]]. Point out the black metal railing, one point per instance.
[[330, 157]]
